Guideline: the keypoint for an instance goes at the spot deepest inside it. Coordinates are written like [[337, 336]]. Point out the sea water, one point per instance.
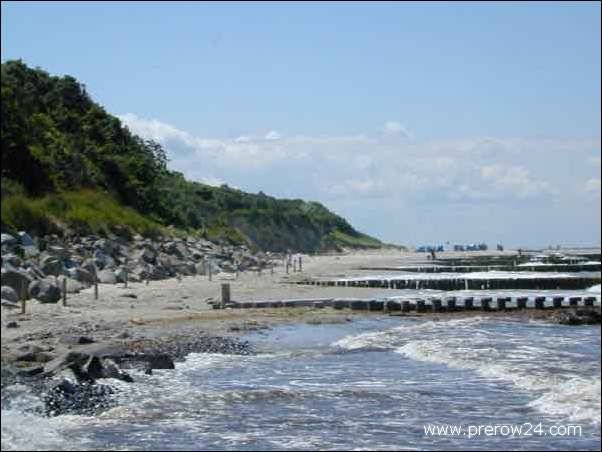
[[374, 383]]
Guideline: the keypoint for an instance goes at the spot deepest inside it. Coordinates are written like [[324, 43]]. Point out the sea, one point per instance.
[[374, 383]]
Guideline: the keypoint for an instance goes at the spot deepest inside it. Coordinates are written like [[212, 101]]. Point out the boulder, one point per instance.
[[73, 286], [8, 241], [44, 291], [51, 266], [12, 259], [9, 294], [15, 279], [107, 277], [107, 246], [121, 274], [25, 239], [82, 275], [147, 255], [581, 316], [103, 260]]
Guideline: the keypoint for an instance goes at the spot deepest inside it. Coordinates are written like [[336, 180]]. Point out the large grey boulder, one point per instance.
[[44, 291], [9, 294], [16, 279], [81, 275], [51, 266], [107, 277], [107, 246], [73, 286], [103, 260], [8, 241], [147, 255]]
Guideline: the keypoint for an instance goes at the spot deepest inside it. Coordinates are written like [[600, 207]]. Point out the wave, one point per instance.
[[391, 339], [563, 393]]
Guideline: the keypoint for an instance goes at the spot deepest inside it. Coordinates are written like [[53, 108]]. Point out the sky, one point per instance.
[[418, 122]]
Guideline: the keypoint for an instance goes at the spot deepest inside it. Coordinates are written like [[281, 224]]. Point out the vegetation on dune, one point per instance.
[[66, 162]]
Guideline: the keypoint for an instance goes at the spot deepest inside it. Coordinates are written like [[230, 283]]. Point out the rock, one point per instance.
[[12, 324], [15, 279], [108, 247], [44, 291], [12, 259], [70, 360], [9, 304], [103, 261], [160, 361], [9, 294], [25, 239], [121, 275], [82, 275], [35, 357], [147, 255], [94, 368], [76, 340], [107, 277], [51, 266], [67, 397], [111, 370], [73, 286], [8, 241], [579, 316]]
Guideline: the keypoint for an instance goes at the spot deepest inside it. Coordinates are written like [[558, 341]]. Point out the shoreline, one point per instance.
[[171, 318]]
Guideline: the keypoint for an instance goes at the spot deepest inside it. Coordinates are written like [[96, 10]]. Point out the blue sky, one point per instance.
[[419, 122]]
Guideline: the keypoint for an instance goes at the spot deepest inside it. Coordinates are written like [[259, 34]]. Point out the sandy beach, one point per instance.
[[182, 307]]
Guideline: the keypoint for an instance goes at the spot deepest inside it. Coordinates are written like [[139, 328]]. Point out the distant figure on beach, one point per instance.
[[433, 255]]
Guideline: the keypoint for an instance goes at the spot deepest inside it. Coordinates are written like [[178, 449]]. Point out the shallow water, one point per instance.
[[370, 384]]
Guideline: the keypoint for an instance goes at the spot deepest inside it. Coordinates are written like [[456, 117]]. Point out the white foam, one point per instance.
[[571, 397], [387, 340]]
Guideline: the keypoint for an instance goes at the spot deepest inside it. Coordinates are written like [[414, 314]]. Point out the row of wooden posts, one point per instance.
[[450, 304]]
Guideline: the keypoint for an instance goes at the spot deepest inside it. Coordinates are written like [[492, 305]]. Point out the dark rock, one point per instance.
[[579, 316], [9, 294], [51, 266], [76, 340], [35, 357], [44, 291], [67, 397], [12, 324], [160, 362], [15, 279]]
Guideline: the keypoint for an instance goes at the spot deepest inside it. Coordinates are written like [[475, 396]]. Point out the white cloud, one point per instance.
[[515, 180], [272, 135], [395, 128], [213, 181], [593, 186], [385, 166]]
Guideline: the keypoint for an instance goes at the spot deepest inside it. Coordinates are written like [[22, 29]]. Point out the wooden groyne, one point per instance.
[[483, 302], [466, 281], [535, 267]]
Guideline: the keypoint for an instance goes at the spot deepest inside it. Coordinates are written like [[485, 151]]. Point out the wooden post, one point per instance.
[[521, 302], [300, 264], [65, 292], [225, 295], [486, 303], [210, 270], [468, 303], [420, 306], [539, 302], [23, 297], [126, 273], [95, 284]]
